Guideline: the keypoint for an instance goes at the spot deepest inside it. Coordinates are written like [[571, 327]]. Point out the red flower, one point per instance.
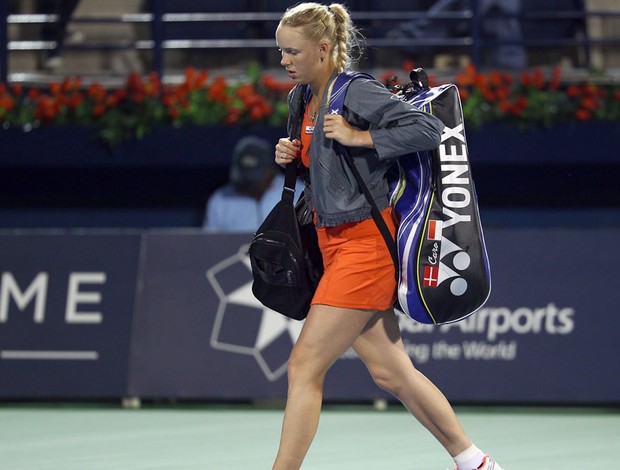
[[269, 83], [74, 83], [55, 88], [274, 86], [234, 115], [134, 82], [217, 92], [521, 103], [33, 93], [153, 86], [246, 91], [190, 74], [6, 103], [194, 80], [467, 77], [503, 93], [260, 109], [256, 114], [99, 110], [591, 90], [169, 100], [139, 97], [539, 79], [505, 106], [115, 98], [464, 94], [66, 86], [174, 113], [96, 92], [75, 100], [495, 78], [582, 114], [181, 92], [589, 103], [480, 81], [489, 95], [526, 79], [554, 84], [201, 81], [46, 108]]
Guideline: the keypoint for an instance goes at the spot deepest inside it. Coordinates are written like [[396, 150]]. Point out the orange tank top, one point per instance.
[[307, 129]]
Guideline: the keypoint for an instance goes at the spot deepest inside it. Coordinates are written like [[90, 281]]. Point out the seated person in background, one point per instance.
[[255, 187]]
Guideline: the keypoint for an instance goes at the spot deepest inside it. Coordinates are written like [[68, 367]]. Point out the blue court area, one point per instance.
[[243, 437]]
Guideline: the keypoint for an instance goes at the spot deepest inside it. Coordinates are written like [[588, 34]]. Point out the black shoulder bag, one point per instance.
[[284, 253]]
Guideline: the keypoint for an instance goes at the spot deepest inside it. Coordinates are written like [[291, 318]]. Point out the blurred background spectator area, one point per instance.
[[109, 39], [165, 178]]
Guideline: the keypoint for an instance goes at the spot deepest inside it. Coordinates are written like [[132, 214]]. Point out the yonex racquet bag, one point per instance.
[[442, 263]]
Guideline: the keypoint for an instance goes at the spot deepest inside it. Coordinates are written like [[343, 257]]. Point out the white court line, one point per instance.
[[50, 355]]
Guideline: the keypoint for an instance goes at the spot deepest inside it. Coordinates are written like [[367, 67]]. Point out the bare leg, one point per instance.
[[381, 348], [327, 333]]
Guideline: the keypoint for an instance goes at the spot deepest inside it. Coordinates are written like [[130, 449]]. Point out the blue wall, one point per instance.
[[170, 314]]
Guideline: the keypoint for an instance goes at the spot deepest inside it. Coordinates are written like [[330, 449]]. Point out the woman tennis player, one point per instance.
[[353, 303]]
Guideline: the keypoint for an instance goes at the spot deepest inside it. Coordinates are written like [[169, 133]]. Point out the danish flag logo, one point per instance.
[[431, 276]]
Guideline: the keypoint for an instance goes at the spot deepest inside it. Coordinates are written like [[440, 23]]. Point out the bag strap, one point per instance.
[[290, 172], [340, 87], [374, 210], [290, 177], [336, 103]]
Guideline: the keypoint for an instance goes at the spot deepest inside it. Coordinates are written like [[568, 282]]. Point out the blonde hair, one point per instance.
[[332, 23]]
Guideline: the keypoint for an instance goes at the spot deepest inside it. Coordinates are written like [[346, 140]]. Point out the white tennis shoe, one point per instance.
[[487, 464]]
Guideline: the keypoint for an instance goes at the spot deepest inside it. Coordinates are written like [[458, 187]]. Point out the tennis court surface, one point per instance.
[[243, 437]]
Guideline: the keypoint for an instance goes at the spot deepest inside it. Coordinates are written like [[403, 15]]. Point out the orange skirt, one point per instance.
[[359, 271]]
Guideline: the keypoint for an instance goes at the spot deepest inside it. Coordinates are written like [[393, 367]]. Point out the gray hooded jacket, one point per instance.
[[396, 128]]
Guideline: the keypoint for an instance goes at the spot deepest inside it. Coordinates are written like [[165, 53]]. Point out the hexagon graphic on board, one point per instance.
[[245, 326]]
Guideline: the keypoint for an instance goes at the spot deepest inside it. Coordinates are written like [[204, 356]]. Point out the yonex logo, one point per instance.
[[243, 325], [456, 185], [455, 196]]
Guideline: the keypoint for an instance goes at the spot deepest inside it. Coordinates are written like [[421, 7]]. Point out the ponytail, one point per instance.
[[332, 23]]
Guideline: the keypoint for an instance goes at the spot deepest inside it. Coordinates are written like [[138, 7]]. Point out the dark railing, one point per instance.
[[471, 40]]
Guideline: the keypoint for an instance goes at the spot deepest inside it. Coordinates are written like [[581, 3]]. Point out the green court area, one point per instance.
[[243, 437]]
